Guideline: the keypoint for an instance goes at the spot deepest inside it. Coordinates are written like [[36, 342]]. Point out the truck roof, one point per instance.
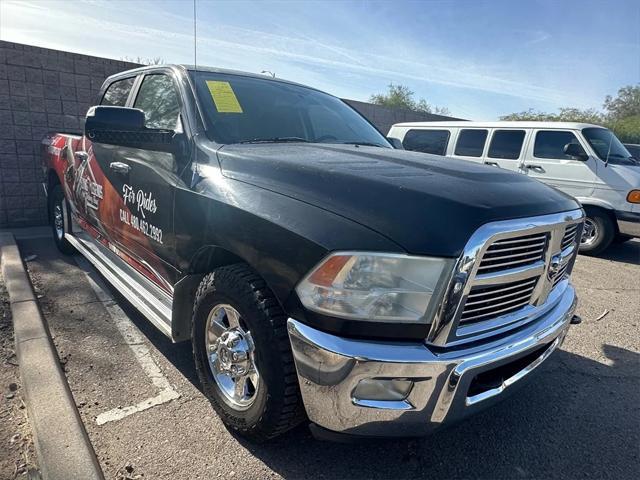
[[502, 124], [200, 68]]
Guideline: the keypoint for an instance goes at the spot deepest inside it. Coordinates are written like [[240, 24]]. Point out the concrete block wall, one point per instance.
[[41, 90]]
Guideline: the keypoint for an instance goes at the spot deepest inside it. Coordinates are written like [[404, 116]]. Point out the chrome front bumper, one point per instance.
[[330, 367]]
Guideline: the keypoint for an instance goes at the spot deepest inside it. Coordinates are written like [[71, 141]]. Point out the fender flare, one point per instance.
[[205, 260], [595, 202]]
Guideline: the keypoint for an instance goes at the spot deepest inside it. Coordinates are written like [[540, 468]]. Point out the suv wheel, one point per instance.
[[242, 354], [59, 215], [597, 234]]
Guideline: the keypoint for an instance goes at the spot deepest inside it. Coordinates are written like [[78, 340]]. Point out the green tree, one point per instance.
[[401, 96], [621, 114], [627, 129], [564, 115], [626, 104], [143, 60]]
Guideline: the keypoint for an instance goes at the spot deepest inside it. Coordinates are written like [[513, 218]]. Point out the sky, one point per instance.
[[480, 59]]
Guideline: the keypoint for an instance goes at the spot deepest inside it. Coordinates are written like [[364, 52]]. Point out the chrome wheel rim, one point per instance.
[[58, 220], [589, 232], [230, 352]]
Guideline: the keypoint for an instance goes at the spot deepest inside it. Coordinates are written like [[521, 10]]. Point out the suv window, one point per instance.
[[551, 143], [427, 141], [506, 144], [471, 143], [118, 92], [159, 101]]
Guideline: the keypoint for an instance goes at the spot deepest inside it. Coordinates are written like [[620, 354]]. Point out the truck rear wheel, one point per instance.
[[59, 215], [597, 234], [242, 354]]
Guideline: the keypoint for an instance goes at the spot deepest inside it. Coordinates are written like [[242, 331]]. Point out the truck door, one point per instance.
[[90, 193], [548, 163], [142, 226], [505, 149]]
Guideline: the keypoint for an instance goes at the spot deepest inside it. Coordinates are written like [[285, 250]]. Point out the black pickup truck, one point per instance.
[[319, 272]]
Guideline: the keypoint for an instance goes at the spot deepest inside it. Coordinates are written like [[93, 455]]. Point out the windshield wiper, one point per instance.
[[363, 144], [276, 140]]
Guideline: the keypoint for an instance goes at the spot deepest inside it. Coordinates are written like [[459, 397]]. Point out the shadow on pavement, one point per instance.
[[576, 418], [627, 252]]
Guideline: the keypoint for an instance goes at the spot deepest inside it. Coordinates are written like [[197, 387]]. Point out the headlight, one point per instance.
[[375, 286]]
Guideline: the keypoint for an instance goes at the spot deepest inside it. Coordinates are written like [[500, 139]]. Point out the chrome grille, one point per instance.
[[560, 275], [569, 235], [514, 252], [507, 275], [488, 302]]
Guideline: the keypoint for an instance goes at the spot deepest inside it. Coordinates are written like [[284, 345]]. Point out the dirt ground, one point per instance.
[[17, 453]]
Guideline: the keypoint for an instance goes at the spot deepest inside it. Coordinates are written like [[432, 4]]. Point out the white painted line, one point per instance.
[[136, 342]]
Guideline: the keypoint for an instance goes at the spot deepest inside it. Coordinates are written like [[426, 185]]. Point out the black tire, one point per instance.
[[58, 206], [277, 406], [604, 233]]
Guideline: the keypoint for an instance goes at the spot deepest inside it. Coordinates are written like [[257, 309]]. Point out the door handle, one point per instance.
[[81, 156], [119, 167], [493, 164], [535, 168]]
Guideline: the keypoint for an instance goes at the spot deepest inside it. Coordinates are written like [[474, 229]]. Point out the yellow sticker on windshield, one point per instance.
[[224, 97]]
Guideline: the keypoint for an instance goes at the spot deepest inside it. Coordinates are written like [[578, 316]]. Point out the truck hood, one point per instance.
[[426, 204]]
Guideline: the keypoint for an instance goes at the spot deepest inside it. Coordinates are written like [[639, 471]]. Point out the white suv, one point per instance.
[[585, 161]]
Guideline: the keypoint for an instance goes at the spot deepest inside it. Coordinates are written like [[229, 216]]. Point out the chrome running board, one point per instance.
[[152, 302]]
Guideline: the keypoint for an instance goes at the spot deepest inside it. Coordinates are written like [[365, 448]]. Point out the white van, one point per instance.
[[586, 161]]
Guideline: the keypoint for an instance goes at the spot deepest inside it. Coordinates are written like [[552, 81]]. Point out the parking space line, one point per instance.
[[136, 342]]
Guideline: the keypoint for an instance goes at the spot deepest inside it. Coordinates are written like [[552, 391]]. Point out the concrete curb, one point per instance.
[[63, 447]]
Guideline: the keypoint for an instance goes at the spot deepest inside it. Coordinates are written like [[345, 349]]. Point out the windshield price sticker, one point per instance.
[[224, 97]]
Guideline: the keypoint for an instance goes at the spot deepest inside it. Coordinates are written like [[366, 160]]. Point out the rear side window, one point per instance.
[[158, 99], [118, 92], [471, 143], [427, 141], [506, 144], [551, 143]]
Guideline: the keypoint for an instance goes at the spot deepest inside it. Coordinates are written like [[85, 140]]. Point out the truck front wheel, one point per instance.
[[242, 354]]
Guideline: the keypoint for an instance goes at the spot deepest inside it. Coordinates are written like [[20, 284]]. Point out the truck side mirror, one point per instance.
[[125, 127], [395, 143], [575, 150]]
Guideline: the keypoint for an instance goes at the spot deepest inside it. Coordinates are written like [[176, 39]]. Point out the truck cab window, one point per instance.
[[471, 143], [427, 141], [551, 143], [117, 93], [506, 144], [159, 101]]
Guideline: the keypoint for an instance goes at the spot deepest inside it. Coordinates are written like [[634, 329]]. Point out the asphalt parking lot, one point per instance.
[[139, 399]]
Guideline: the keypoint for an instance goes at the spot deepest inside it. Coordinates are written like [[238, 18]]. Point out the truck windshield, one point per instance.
[[607, 146], [241, 109]]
